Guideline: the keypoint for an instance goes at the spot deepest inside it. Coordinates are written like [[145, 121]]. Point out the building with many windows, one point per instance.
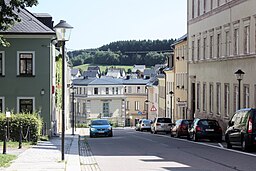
[[221, 40]]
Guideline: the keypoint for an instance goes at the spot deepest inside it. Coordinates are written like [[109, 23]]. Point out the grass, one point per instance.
[[103, 67], [11, 144], [5, 159]]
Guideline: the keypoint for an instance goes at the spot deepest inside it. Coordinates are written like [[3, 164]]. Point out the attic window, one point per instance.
[[182, 57], [178, 58]]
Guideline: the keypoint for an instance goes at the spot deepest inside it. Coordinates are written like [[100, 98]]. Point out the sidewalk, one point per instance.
[[46, 155]]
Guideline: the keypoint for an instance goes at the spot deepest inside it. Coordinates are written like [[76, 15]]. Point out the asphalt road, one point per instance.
[[129, 150]]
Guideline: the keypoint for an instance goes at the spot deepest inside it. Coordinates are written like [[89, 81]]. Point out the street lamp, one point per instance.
[[239, 76], [146, 101], [171, 94], [63, 31], [73, 110]]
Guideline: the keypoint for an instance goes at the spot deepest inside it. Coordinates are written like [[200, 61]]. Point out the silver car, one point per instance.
[[143, 124], [161, 125]]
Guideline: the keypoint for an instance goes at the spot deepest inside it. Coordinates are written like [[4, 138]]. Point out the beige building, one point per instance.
[[152, 99], [221, 40], [181, 77], [170, 93], [161, 96]]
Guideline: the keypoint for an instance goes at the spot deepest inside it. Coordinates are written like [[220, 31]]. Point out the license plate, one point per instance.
[[101, 132], [209, 129]]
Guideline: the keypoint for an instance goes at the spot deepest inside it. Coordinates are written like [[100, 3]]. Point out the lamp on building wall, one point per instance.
[[239, 76], [42, 91], [63, 31], [171, 93]]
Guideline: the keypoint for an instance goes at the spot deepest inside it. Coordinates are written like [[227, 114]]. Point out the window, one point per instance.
[[211, 46], [236, 41], [84, 109], [113, 90], [226, 99], [26, 63], [205, 6], [125, 89], [106, 109], [227, 43], [198, 49], [127, 106], [211, 5], [137, 105], [193, 50], [116, 90], [107, 90], [218, 45], [218, 2], [193, 8], [1, 104], [96, 91], [204, 97], [246, 96], [198, 7], [236, 98], [198, 96], [211, 97], [25, 104], [246, 40], [218, 98], [2, 64], [204, 48]]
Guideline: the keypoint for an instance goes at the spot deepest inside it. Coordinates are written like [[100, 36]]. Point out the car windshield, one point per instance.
[[146, 121], [209, 123], [100, 122], [164, 120], [187, 122]]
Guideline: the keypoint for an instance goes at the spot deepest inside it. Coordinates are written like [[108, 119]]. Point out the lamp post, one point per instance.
[[239, 76], [8, 115], [146, 102], [73, 110], [63, 31], [171, 94]]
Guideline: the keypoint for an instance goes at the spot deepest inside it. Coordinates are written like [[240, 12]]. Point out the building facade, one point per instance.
[[221, 40]]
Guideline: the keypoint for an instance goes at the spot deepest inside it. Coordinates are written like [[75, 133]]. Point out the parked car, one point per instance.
[[241, 129], [180, 128], [100, 127], [161, 125], [143, 124], [205, 129]]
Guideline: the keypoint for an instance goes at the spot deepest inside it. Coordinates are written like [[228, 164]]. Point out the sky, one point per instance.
[[100, 22]]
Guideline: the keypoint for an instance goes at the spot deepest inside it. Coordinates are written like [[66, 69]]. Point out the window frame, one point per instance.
[[3, 63], [25, 98], [211, 97], [218, 98], [226, 99], [18, 63]]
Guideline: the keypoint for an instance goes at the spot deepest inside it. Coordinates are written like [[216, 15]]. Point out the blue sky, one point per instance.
[[99, 22]]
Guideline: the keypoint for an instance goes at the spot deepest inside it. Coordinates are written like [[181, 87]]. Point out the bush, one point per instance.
[[31, 126]]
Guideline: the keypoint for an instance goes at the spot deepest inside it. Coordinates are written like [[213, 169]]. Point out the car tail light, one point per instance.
[[198, 128], [158, 124], [250, 126]]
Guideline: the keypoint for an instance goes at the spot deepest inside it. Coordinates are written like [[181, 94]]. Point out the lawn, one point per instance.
[[5, 159], [103, 67]]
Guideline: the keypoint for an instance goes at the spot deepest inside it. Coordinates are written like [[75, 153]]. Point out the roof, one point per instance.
[[90, 73], [29, 24], [74, 71], [93, 68], [135, 81], [149, 72], [181, 39]]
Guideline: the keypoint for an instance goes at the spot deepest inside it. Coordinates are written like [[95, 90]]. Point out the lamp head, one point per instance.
[[63, 30]]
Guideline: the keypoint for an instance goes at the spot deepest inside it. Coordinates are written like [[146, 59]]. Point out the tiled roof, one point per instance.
[[29, 24]]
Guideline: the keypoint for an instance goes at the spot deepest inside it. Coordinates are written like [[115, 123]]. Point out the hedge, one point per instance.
[[31, 126]]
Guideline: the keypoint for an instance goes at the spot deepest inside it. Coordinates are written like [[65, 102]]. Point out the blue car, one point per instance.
[[100, 127]]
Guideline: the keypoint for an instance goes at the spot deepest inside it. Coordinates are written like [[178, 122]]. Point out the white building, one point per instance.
[[221, 40]]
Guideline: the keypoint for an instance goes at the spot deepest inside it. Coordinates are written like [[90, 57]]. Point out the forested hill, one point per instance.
[[147, 52]]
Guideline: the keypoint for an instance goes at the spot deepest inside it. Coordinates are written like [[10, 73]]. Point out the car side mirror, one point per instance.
[[111, 124], [230, 123], [89, 124]]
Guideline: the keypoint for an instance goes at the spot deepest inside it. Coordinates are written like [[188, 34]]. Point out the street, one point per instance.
[[129, 150]]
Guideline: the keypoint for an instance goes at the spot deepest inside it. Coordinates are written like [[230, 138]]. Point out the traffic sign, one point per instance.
[[153, 109]]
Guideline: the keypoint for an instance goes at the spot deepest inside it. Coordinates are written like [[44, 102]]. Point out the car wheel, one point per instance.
[[229, 145], [171, 134], [91, 136], [245, 146]]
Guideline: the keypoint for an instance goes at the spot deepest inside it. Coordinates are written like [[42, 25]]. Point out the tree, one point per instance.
[[9, 10]]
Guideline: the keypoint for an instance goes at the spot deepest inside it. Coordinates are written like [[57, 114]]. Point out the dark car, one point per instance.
[[100, 127], [241, 129], [180, 128], [205, 129]]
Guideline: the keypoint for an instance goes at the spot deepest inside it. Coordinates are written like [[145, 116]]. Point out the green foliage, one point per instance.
[[132, 52], [8, 15], [104, 68], [5, 159], [58, 91], [31, 126]]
